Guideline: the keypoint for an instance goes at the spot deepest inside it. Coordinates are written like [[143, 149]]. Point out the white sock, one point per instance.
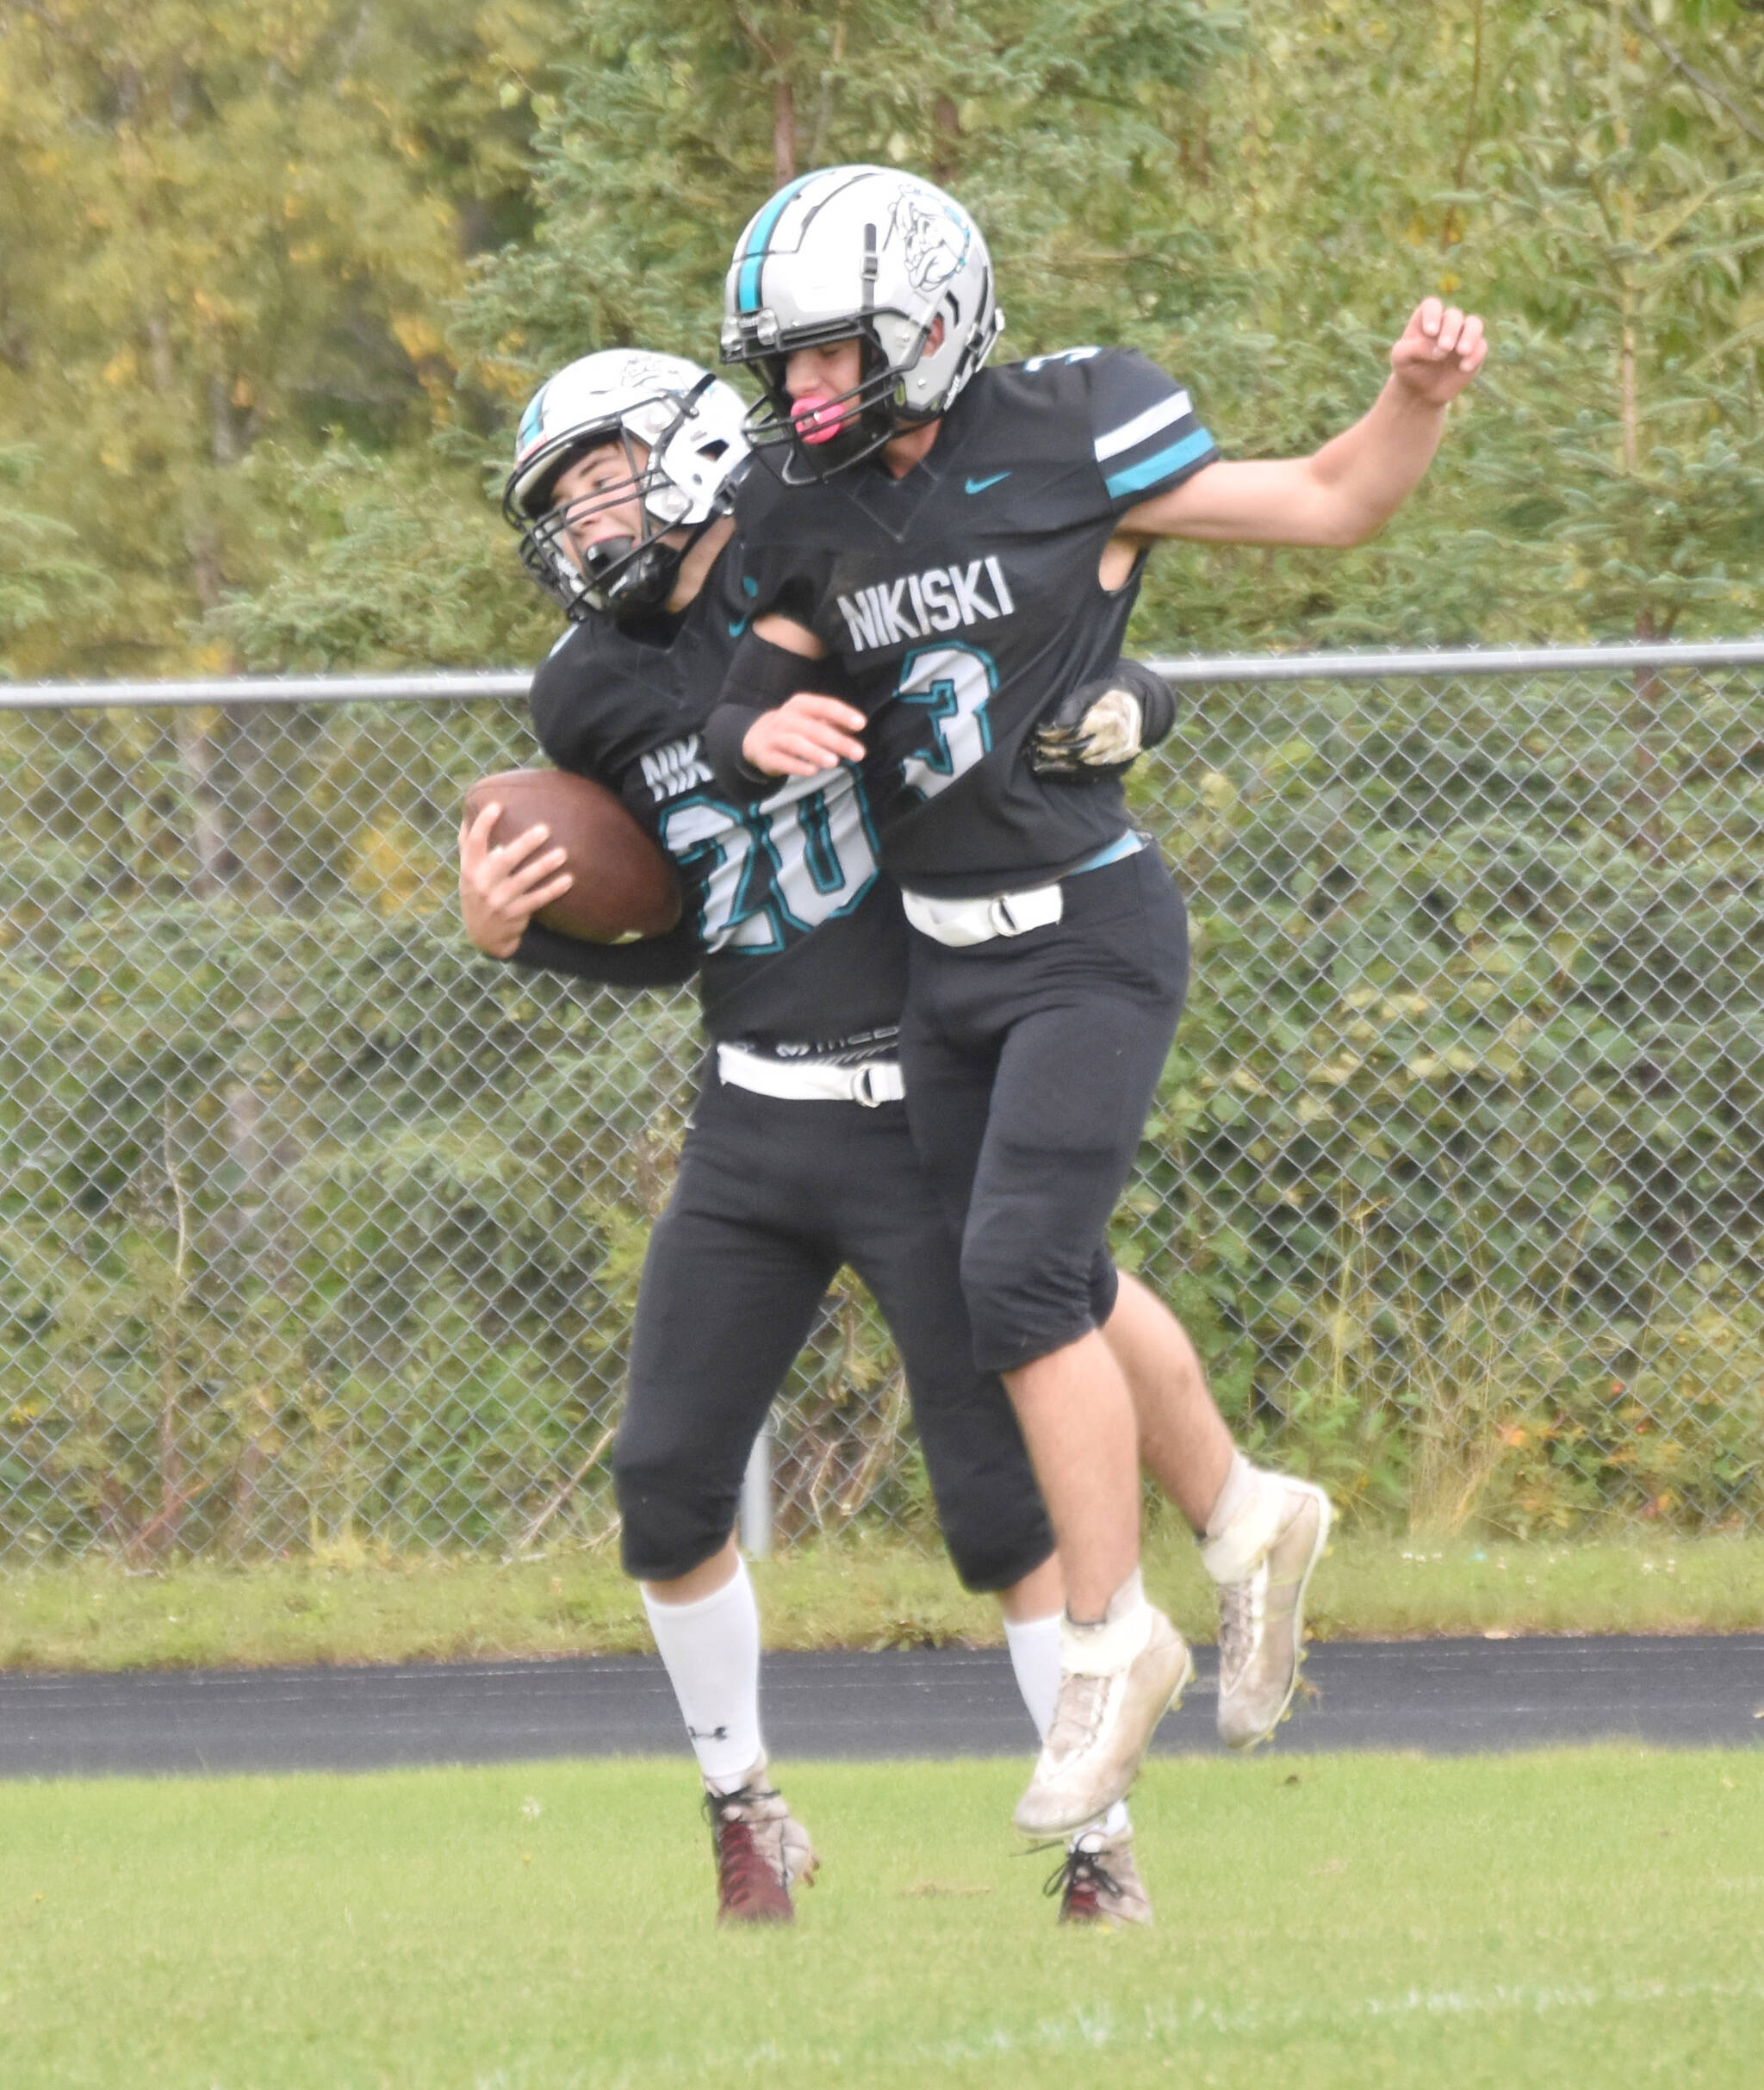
[[711, 1649], [1238, 1487], [1098, 1647], [1035, 1656], [1243, 1521]]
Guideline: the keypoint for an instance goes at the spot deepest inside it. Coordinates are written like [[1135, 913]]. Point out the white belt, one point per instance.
[[811, 1080], [959, 923]]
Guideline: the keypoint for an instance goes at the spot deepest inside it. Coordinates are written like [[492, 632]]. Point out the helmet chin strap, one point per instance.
[[643, 575], [860, 436]]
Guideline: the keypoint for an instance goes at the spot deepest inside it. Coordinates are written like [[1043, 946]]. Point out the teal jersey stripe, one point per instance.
[[747, 289], [1160, 467]]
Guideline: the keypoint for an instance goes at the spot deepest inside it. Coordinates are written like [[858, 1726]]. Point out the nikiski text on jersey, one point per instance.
[[675, 768], [941, 599]]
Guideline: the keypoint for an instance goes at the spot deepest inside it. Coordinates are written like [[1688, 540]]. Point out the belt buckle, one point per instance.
[[876, 1082], [1001, 914]]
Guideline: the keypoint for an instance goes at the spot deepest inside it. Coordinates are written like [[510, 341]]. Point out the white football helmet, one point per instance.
[[689, 425], [870, 253]]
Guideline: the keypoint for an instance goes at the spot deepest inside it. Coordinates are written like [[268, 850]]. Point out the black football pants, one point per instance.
[[773, 1196], [1031, 1064]]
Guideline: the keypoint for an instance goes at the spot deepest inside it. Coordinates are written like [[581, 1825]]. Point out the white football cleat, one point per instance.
[[1116, 1683], [1262, 1562]]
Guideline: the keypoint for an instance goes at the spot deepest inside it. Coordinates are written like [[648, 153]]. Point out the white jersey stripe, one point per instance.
[[1143, 424]]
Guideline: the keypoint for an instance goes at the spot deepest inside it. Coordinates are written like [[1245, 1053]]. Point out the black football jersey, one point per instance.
[[960, 602], [802, 939]]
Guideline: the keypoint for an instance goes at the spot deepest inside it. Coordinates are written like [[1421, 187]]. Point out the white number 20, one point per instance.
[[791, 862]]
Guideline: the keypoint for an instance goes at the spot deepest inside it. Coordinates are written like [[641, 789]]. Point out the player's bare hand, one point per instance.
[[1439, 352], [501, 889], [803, 736]]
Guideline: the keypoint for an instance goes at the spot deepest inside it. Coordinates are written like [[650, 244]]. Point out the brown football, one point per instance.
[[624, 884]]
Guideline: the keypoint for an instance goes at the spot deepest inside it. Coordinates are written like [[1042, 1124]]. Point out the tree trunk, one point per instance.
[[207, 837], [1467, 143], [255, 831], [783, 131], [1645, 792], [829, 82], [946, 117], [946, 141]]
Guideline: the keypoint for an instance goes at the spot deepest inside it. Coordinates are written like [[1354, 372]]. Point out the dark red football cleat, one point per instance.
[[762, 1850]]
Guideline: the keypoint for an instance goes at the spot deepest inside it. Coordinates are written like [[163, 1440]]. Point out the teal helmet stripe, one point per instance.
[[531, 420], [748, 290]]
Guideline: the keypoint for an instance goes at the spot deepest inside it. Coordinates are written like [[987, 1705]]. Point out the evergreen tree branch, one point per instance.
[[1699, 80], [1469, 136]]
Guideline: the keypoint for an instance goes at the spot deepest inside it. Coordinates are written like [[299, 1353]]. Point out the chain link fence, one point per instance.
[[314, 1226]]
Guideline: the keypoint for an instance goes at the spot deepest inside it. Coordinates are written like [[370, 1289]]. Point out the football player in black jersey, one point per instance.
[[797, 1158], [962, 547]]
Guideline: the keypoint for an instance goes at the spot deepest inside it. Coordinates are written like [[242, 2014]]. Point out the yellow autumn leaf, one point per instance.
[[416, 336], [393, 869]]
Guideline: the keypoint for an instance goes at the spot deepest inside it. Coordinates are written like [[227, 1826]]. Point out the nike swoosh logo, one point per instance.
[[737, 627], [979, 486]]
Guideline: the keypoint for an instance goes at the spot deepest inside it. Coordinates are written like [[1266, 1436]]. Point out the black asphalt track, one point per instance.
[[1443, 1697]]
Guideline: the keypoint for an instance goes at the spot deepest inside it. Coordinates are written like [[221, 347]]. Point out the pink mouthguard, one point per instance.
[[816, 420]]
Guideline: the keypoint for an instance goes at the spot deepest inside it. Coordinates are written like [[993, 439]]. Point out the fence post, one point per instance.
[[756, 1498]]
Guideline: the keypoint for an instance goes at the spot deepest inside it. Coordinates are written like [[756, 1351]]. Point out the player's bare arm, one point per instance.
[[501, 889], [1343, 492]]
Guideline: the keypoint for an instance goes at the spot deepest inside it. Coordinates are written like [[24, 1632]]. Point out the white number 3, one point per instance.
[[955, 684]]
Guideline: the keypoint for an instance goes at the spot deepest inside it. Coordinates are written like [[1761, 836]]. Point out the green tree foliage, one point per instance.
[[231, 230], [41, 572], [1055, 122], [224, 223], [659, 133], [1622, 208], [387, 559]]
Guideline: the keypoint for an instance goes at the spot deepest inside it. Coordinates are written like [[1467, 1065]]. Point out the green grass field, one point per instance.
[[349, 1604], [1585, 1918]]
